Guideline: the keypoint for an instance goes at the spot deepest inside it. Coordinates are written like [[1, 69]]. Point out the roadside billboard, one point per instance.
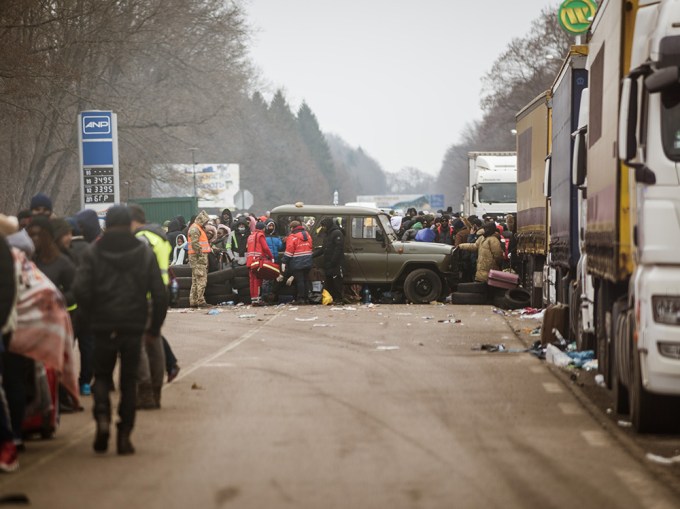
[[214, 184]]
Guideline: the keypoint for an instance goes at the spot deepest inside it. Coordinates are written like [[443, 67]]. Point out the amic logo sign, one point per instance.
[[98, 124], [576, 15]]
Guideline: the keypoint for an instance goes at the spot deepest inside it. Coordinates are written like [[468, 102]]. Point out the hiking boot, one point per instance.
[[101, 438], [9, 457], [123, 445]]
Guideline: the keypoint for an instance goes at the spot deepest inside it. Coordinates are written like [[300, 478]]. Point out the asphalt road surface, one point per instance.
[[355, 407]]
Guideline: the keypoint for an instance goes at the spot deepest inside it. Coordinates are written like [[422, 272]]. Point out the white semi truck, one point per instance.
[[492, 184], [627, 162]]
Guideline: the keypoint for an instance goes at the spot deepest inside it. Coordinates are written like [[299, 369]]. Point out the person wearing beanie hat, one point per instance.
[[257, 250], [41, 204], [88, 222], [112, 283]]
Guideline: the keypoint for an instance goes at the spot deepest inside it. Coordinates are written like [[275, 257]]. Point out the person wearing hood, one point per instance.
[[88, 222], [174, 230], [257, 250], [333, 251], [115, 276], [237, 241], [226, 218], [489, 252], [273, 240], [153, 358], [199, 248]]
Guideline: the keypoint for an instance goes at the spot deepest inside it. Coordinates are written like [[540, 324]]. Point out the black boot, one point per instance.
[[123, 443], [101, 439]]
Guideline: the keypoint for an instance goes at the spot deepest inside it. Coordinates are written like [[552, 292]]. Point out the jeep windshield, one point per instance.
[[387, 226]]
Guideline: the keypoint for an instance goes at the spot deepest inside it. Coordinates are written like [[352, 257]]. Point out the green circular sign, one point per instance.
[[576, 15]]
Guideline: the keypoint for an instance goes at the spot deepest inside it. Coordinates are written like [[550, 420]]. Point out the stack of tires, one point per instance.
[[220, 287], [481, 293]]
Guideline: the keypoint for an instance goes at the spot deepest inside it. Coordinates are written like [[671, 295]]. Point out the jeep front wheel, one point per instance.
[[422, 286]]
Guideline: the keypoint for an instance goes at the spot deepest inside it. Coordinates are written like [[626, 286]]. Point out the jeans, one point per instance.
[[303, 284], [107, 346], [170, 359], [86, 347]]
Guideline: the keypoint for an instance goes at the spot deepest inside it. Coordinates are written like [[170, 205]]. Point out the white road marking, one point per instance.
[[219, 365], [552, 387], [595, 438], [570, 408]]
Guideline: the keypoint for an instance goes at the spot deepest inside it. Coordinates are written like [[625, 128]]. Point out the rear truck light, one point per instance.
[[666, 309], [671, 350]]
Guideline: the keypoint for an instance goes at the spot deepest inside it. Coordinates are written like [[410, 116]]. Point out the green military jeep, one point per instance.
[[424, 271]]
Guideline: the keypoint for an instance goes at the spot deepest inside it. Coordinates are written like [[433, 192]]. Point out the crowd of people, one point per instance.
[[66, 279]]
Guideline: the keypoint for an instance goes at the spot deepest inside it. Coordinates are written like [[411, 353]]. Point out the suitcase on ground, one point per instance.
[[42, 411], [500, 279]]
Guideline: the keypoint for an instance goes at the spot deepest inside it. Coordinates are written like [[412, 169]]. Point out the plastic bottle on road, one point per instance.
[[366, 295]]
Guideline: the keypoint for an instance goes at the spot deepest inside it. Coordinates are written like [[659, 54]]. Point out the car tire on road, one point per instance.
[[181, 270], [475, 287], [183, 282], [518, 298], [422, 286]]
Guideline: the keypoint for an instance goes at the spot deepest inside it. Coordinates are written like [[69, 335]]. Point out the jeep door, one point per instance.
[[366, 257]]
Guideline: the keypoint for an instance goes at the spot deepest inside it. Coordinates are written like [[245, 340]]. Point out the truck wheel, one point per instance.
[[422, 286], [650, 413], [518, 298], [622, 340], [602, 328]]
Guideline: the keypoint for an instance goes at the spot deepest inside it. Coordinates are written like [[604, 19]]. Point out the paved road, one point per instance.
[[382, 407]]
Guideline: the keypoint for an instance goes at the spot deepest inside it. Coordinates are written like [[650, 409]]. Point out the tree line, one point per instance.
[[178, 75]]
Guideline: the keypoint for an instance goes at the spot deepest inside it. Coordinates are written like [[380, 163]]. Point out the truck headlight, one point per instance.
[[671, 350], [666, 309]]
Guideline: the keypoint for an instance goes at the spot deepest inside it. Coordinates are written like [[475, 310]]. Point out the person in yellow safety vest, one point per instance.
[[199, 247], [156, 356]]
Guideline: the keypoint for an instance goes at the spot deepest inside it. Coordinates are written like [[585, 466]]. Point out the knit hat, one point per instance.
[[458, 224], [118, 215], [259, 225], [41, 200]]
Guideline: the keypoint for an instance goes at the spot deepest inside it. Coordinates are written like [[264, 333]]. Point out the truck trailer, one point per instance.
[[533, 147], [627, 163]]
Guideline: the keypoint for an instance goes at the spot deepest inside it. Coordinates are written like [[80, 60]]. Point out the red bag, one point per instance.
[[265, 269], [501, 279]]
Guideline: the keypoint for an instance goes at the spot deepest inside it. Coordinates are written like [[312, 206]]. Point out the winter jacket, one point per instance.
[[273, 240], [426, 235], [112, 283], [257, 248], [298, 255], [461, 236], [8, 285], [333, 250], [174, 230], [489, 255], [154, 236], [445, 235], [237, 244]]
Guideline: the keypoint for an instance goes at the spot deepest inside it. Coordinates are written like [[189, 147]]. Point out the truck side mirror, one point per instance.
[[661, 79], [579, 157], [546, 177], [628, 110]]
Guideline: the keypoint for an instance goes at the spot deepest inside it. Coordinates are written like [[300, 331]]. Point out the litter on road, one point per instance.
[[387, 348], [311, 319], [662, 460], [248, 315]]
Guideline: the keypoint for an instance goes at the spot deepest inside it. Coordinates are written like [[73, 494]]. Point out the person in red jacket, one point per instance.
[[257, 249], [297, 260]]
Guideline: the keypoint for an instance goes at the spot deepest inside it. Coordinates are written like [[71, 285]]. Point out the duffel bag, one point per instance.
[[265, 269]]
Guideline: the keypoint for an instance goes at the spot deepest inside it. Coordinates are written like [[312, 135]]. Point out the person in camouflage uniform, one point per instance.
[[199, 247]]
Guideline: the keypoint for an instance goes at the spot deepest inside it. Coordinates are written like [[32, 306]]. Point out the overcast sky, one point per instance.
[[399, 78]]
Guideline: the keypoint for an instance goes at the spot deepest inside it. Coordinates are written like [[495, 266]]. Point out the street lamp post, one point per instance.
[[193, 168]]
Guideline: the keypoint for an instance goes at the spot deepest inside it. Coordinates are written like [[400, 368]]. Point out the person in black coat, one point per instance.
[[333, 251], [113, 280]]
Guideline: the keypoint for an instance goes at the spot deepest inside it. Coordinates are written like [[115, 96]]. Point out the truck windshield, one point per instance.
[[498, 192], [670, 122]]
